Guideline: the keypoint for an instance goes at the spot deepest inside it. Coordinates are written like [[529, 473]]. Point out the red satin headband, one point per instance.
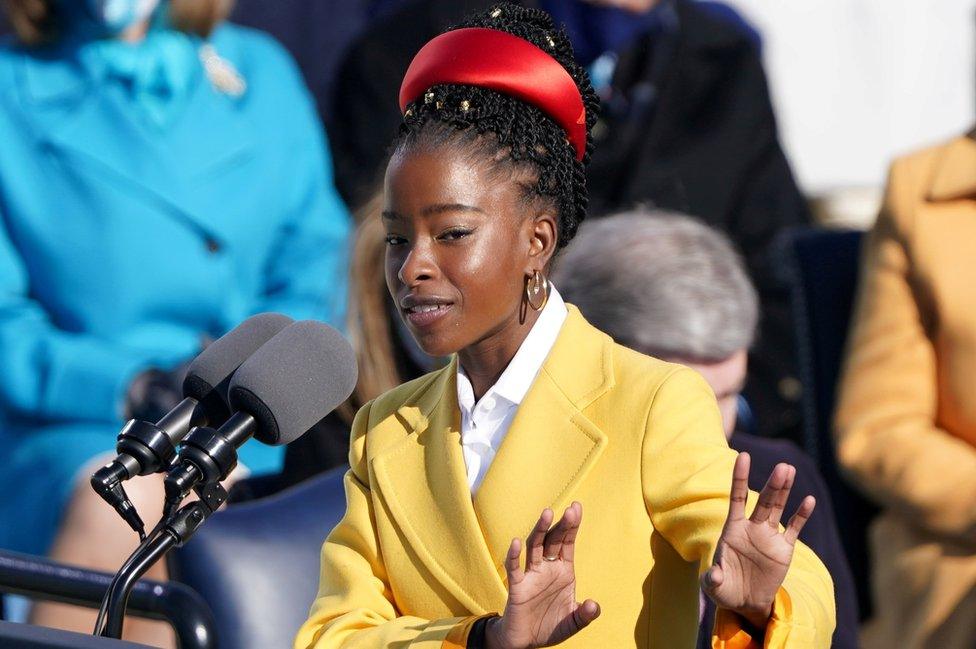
[[489, 58]]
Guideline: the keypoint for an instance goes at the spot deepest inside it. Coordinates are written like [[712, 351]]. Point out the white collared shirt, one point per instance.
[[484, 425]]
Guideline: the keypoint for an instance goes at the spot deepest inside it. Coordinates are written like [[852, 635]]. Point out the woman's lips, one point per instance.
[[425, 315]]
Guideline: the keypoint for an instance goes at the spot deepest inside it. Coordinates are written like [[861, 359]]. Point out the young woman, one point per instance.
[[538, 411]]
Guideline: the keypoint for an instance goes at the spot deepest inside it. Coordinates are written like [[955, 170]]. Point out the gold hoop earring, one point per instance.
[[537, 287]]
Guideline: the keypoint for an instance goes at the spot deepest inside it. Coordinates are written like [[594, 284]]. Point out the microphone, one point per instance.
[[294, 381], [144, 448]]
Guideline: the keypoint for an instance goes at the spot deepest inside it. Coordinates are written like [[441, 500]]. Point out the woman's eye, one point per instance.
[[455, 234], [394, 240]]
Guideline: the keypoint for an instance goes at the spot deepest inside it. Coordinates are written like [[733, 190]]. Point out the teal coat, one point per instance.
[[124, 243]]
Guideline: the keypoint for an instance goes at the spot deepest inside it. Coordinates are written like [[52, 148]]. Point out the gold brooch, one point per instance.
[[221, 72]]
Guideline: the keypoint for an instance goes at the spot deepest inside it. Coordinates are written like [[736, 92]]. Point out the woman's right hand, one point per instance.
[[542, 609]]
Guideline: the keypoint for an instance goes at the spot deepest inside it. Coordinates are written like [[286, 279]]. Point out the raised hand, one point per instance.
[[542, 609], [753, 555]]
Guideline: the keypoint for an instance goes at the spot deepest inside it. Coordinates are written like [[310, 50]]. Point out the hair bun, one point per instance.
[[539, 28], [516, 68], [457, 114]]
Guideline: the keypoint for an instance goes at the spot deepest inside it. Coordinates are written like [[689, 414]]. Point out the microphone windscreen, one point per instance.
[[209, 374], [294, 381]]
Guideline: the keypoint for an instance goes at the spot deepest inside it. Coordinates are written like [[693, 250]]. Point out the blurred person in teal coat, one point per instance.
[[162, 177]]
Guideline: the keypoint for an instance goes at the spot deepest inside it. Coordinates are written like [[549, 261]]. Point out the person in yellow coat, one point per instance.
[[442, 544], [906, 418]]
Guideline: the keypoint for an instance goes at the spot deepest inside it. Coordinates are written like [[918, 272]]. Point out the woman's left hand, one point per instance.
[[753, 555]]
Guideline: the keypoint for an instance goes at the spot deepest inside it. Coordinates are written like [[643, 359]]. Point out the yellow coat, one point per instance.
[[637, 441], [906, 420]]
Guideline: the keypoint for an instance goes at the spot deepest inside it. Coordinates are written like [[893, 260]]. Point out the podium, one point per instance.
[[26, 636]]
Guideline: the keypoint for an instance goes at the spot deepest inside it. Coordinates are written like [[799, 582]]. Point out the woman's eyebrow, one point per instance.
[[450, 207], [432, 210]]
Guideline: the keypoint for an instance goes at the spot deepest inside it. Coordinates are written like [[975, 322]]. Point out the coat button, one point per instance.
[[790, 388], [213, 246]]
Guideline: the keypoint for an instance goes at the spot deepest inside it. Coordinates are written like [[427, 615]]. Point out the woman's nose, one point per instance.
[[417, 267]]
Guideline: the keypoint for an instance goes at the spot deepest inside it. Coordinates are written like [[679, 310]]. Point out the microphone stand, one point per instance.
[[174, 531], [208, 458]]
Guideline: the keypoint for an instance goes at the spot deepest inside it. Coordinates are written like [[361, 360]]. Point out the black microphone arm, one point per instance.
[[174, 532], [207, 457]]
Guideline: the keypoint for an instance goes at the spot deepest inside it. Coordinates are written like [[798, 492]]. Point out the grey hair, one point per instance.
[[665, 284]]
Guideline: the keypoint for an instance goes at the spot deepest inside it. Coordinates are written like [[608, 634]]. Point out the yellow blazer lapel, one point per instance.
[[551, 445], [423, 481], [955, 173]]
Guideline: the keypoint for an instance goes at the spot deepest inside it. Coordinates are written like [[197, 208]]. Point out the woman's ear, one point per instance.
[[542, 245]]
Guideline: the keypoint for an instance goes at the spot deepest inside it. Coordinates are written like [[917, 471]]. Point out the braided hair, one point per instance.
[[507, 133]]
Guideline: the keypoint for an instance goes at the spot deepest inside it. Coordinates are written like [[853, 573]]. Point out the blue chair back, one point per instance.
[[824, 265], [257, 564], [823, 274]]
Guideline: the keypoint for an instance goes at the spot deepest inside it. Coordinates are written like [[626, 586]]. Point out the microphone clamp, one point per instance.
[[143, 448], [148, 444], [207, 456], [107, 483]]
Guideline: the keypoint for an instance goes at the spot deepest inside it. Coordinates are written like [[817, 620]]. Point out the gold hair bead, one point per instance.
[[409, 113], [429, 96], [465, 105], [496, 13], [551, 42], [439, 105]]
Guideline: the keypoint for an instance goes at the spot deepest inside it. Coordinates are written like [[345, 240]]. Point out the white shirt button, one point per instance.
[[488, 403]]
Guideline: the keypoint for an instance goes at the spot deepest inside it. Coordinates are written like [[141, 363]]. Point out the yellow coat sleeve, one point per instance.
[[354, 607], [887, 439], [687, 476]]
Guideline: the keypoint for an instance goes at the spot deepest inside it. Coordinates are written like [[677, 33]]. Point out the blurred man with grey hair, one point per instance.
[[669, 286]]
